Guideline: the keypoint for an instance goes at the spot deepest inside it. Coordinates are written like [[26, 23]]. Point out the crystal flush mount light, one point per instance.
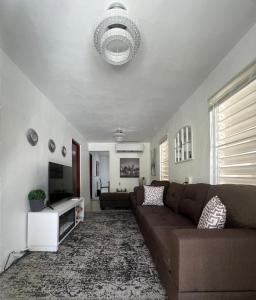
[[117, 38]]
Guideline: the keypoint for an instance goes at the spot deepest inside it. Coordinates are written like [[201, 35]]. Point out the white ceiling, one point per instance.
[[182, 41]]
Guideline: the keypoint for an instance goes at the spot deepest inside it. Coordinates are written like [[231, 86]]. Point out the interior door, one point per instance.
[[76, 168]]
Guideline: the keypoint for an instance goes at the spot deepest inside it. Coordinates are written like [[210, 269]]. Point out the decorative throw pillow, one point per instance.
[[153, 195], [213, 215]]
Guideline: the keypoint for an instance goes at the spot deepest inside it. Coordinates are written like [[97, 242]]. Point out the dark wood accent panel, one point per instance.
[[76, 168]]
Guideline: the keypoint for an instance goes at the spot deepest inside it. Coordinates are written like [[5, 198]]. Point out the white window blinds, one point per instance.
[[164, 160], [234, 135]]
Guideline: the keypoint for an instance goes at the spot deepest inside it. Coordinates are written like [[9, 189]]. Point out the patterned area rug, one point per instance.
[[103, 258]]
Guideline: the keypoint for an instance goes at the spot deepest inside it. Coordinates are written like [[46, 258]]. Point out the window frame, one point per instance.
[[165, 141], [233, 87]]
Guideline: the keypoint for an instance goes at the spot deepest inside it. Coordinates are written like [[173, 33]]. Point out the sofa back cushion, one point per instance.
[[193, 200], [240, 202], [164, 183], [174, 196]]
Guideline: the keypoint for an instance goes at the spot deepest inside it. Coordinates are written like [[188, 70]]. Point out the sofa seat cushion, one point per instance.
[[161, 236], [162, 216], [156, 223], [193, 201]]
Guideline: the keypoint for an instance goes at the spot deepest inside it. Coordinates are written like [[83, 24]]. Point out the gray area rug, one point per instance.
[[105, 257]]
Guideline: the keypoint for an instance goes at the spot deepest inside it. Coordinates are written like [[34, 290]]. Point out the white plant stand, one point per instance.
[[49, 227]]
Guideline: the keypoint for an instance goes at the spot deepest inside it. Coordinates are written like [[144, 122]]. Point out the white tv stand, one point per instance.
[[49, 227]]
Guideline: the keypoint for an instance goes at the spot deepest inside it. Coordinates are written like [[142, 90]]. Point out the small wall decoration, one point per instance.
[[153, 162], [97, 168], [129, 167], [64, 151], [183, 144], [32, 137], [51, 145]]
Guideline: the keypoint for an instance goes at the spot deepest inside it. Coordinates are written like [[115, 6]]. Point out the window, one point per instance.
[[164, 159], [233, 130]]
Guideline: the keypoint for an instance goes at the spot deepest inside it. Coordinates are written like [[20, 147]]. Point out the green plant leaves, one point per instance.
[[36, 195]]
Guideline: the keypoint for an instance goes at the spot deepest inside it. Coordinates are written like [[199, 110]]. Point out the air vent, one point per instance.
[[130, 148]]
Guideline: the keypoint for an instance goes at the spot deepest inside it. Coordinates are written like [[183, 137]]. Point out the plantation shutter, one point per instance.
[[234, 132], [164, 160]]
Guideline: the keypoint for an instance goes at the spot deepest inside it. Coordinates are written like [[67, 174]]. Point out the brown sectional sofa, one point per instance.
[[115, 200], [201, 263]]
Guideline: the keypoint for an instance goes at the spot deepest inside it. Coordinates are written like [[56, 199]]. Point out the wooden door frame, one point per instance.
[[78, 173]]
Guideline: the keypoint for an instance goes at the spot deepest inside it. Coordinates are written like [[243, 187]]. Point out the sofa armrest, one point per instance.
[[213, 260], [139, 194], [133, 201], [137, 197]]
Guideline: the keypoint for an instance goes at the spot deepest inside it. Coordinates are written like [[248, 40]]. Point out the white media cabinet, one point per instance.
[[49, 227]]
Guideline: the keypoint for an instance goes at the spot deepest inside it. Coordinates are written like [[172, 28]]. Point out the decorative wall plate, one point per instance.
[[51, 145], [32, 137], [64, 151]]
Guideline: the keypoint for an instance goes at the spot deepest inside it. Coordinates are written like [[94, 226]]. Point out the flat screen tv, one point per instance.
[[60, 182]]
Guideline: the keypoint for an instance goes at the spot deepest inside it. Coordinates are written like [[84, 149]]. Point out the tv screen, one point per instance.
[[60, 182]]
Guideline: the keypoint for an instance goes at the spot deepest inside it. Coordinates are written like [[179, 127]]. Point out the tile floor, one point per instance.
[[93, 205]]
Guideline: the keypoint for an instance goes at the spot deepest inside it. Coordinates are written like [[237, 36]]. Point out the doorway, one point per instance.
[[99, 173], [76, 168], [90, 175]]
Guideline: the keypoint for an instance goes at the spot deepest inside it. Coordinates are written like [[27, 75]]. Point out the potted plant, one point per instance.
[[36, 200]]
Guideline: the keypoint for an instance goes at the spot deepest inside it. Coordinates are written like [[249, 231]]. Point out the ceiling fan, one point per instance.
[[119, 134]]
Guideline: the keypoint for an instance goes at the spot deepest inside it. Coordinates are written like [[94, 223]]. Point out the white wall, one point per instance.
[[1, 165], [114, 165], [22, 166], [103, 159], [104, 168], [195, 112]]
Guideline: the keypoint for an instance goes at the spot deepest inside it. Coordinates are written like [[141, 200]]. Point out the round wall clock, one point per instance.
[[32, 137], [64, 151], [51, 145]]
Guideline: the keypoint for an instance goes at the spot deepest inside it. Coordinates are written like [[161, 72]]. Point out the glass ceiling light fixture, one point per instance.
[[119, 135], [117, 38]]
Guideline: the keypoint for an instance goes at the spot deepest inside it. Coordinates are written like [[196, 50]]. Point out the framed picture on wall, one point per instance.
[[97, 168], [129, 167]]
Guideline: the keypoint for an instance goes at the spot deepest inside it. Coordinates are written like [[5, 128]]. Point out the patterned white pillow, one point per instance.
[[213, 215], [153, 195]]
